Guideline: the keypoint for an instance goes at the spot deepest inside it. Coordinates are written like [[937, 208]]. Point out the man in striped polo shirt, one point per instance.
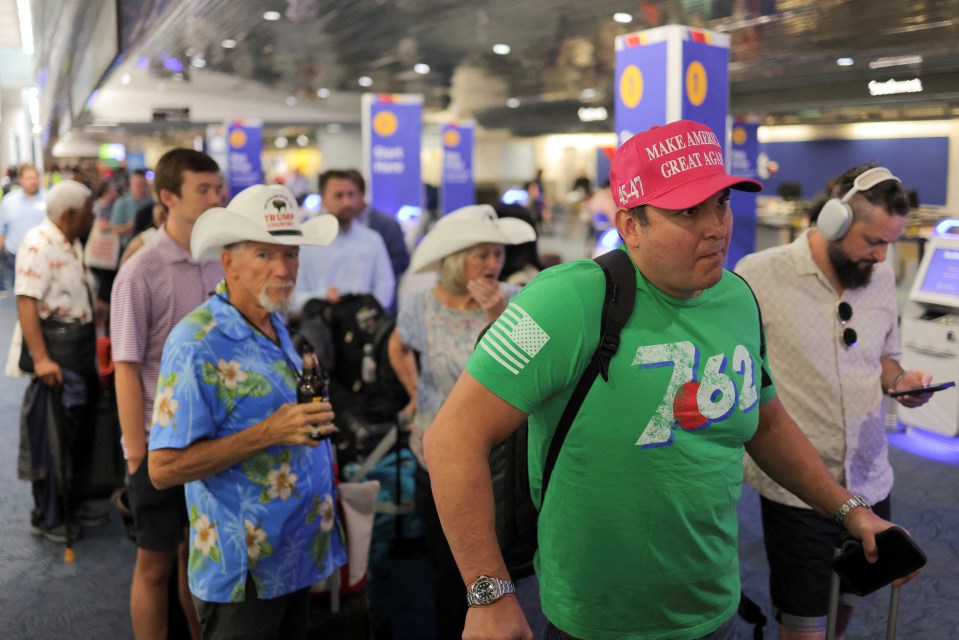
[[153, 291]]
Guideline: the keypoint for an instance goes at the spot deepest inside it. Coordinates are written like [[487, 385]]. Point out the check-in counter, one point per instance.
[[930, 330]]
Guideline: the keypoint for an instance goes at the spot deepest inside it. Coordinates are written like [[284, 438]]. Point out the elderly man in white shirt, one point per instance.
[[55, 306]]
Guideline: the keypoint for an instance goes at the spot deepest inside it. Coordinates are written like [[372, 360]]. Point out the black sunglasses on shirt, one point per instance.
[[849, 336]]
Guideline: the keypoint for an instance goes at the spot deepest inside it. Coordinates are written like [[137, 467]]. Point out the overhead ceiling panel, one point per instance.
[[558, 48]]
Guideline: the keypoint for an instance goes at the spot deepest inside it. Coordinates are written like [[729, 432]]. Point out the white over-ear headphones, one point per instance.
[[835, 217]]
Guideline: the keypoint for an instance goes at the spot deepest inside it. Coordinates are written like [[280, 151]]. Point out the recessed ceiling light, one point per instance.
[[365, 81], [421, 68], [291, 101], [501, 49], [199, 63], [302, 140], [229, 43], [587, 94], [323, 92], [125, 79], [512, 103], [622, 17], [272, 16], [845, 62], [281, 142]]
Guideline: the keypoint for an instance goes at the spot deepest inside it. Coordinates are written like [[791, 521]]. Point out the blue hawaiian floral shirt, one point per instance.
[[273, 514]]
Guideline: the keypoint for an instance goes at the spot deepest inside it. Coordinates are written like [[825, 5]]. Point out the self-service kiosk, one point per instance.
[[930, 330]]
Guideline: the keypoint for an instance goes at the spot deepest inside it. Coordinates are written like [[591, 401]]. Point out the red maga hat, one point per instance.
[[675, 166]]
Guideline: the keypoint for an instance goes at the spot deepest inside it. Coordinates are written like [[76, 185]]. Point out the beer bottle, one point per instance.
[[312, 386]]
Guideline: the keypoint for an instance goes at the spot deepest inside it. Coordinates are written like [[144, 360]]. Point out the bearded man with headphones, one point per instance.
[[829, 309]]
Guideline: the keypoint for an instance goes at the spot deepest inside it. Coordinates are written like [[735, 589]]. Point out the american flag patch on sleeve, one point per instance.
[[514, 339]]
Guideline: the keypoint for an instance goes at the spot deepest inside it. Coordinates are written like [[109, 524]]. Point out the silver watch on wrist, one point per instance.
[[486, 590], [849, 505]]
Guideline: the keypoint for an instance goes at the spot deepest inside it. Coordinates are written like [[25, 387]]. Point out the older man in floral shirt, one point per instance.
[[258, 469]]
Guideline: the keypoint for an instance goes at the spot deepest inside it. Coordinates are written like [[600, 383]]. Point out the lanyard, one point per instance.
[[289, 363]]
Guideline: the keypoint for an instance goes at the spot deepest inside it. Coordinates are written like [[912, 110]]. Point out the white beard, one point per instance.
[[275, 306]]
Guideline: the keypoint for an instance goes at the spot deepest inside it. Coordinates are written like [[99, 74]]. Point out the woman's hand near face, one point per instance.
[[488, 296]]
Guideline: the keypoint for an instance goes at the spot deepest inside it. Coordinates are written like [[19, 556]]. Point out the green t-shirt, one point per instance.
[[639, 534]]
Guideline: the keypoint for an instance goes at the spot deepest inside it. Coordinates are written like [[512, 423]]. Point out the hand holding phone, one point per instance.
[[915, 391], [899, 556]]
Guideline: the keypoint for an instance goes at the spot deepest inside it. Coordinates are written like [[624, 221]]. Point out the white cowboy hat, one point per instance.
[[261, 213], [464, 228]]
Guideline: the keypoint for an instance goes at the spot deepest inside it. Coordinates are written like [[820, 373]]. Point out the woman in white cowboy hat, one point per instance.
[[441, 326]]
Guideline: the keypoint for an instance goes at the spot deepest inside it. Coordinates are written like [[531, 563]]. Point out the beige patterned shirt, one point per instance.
[[832, 391], [51, 270]]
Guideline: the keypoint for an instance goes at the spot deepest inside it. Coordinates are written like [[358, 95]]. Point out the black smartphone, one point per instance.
[[899, 556], [917, 390]]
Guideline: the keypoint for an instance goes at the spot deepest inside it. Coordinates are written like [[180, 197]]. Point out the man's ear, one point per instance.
[[166, 197], [629, 228], [226, 261]]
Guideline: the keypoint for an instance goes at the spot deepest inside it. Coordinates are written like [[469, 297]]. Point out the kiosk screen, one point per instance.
[[942, 274]]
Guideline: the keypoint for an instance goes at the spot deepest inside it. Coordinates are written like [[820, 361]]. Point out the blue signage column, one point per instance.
[[392, 132], [457, 188], [244, 146], [671, 73], [679, 73], [743, 160]]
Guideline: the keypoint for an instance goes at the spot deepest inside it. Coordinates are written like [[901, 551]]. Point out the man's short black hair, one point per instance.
[[342, 174], [358, 179], [640, 214]]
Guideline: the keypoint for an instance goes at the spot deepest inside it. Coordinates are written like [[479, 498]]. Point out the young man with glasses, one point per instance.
[[829, 310]]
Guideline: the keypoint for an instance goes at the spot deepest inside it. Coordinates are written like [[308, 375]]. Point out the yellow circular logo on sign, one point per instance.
[[696, 83], [631, 86], [237, 138], [451, 138], [739, 135], [385, 123]]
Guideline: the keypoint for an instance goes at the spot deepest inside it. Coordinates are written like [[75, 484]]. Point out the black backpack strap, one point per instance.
[[766, 380], [617, 309], [752, 613]]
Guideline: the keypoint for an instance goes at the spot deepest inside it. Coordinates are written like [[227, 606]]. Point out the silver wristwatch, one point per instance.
[[486, 590], [849, 505]]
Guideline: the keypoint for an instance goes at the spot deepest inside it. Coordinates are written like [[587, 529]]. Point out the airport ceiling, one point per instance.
[[783, 54]]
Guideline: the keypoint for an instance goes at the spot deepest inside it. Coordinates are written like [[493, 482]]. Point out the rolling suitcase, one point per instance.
[[834, 608], [899, 556]]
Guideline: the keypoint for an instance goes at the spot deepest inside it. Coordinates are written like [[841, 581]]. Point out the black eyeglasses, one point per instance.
[[849, 336]]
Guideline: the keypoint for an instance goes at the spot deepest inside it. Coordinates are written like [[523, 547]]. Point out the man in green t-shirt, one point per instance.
[[638, 530]]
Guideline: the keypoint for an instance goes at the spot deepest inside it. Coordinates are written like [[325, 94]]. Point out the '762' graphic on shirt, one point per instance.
[[690, 402]]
